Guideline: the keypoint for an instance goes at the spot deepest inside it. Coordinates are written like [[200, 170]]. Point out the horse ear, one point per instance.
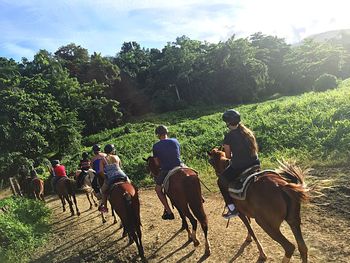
[[145, 159]]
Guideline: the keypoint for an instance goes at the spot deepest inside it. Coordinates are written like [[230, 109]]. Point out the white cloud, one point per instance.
[[103, 25]]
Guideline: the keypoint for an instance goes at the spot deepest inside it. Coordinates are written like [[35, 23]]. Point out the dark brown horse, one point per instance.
[[185, 193], [271, 199], [125, 202], [65, 189]]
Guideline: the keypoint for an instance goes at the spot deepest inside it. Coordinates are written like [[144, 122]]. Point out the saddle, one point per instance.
[[170, 173], [115, 184], [238, 188]]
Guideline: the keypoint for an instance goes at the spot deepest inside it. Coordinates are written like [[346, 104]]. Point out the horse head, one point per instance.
[[152, 166], [218, 160]]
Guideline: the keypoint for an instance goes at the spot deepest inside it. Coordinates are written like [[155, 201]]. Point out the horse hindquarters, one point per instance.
[[125, 202], [71, 189]]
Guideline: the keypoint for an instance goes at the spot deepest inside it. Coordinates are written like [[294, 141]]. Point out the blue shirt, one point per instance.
[[96, 165], [168, 152]]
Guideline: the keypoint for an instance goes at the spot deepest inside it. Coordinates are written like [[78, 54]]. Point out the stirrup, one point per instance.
[[230, 214]]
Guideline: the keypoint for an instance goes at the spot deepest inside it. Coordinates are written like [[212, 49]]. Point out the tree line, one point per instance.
[[49, 103]]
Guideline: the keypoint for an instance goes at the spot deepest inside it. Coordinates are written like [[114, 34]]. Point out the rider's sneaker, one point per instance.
[[230, 214], [103, 209], [167, 216]]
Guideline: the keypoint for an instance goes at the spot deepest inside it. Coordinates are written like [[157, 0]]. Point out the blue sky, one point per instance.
[[102, 26]]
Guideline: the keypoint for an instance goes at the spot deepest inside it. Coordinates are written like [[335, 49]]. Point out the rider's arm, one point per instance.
[[227, 150]]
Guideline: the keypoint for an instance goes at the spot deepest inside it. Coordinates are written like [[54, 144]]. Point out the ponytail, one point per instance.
[[250, 138]]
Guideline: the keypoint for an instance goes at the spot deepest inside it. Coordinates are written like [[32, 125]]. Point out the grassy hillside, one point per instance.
[[313, 128]]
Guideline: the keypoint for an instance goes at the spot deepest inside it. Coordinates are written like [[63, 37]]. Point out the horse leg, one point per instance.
[[294, 222], [35, 195], [136, 236], [246, 221], [114, 217], [139, 243], [204, 225], [63, 202], [248, 239], [300, 240], [67, 197], [275, 233], [92, 197], [76, 205], [87, 195], [184, 223], [193, 221]]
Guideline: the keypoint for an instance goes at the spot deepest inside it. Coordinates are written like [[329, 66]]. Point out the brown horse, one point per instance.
[[65, 189], [185, 193], [37, 186], [33, 187], [271, 199], [125, 202]]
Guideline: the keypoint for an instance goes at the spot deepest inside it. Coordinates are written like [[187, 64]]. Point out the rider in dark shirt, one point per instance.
[[241, 148]]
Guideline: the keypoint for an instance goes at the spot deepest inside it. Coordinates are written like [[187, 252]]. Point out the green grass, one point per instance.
[[313, 128], [23, 227]]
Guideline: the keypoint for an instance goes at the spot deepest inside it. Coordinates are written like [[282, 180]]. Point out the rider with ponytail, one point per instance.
[[241, 148]]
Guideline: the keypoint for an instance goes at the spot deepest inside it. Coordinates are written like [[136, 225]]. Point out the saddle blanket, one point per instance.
[[238, 188]]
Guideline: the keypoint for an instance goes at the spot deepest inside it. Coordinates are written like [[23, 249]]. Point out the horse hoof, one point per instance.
[[196, 243], [95, 205], [207, 252], [248, 240], [78, 214], [104, 221], [262, 259]]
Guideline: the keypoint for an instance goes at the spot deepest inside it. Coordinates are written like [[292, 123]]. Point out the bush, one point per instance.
[[23, 227], [324, 82]]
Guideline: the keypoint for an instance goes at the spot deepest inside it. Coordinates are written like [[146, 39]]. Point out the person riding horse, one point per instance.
[[110, 169], [95, 163], [167, 155], [241, 148], [84, 166], [58, 171]]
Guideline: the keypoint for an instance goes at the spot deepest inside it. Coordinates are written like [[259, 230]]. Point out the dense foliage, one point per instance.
[[50, 103], [23, 227]]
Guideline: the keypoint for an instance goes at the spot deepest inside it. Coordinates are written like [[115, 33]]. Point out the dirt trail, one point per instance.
[[326, 226]]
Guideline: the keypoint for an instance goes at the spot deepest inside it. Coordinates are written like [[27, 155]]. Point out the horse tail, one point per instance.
[[133, 219], [194, 197], [294, 176]]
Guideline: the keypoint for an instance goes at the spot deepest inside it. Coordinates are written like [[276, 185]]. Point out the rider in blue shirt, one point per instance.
[[167, 155]]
